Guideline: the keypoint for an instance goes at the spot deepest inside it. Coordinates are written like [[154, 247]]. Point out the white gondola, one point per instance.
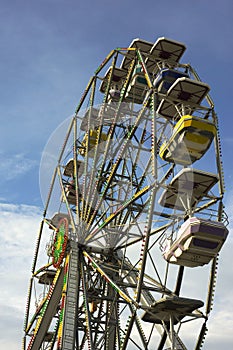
[[90, 119], [56, 218], [69, 168], [166, 51], [47, 277], [184, 92], [144, 47], [198, 242], [137, 89], [118, 76], [70, 193], [187, 188]]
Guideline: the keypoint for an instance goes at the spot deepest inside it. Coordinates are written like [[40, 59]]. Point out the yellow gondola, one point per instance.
[[92, 136], [191, 138]]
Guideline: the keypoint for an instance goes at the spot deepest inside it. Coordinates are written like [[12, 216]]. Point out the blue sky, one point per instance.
[[49, 50]]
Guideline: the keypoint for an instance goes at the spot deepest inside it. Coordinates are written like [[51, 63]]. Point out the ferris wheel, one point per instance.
[[134, 219]]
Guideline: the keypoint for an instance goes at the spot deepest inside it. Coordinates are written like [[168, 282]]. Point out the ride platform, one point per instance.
[[167, 308]]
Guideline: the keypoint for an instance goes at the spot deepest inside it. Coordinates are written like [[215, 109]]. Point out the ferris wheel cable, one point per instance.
[[37, 247], [127, 331], [145, 245], [105, 61], [76, 172], [55, 171], [152, 260], [116, 114], [162, 341], [111, 132], [212, 284], [152, 331], [138, 187], [87, 312], [115, 166], [28, 302], [201, 337], [206, 205], [155, 269], [140, 238], [94, 191], [110, 281], [99, 131], [154, 144], [218, 156], [163, 126], [84, 95], [179, 280], [65, 199], [132, 275], [120, 209], [140, 58]]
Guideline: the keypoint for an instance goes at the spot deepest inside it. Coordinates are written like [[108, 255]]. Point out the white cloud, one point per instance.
[[18, 227], [14, 165]]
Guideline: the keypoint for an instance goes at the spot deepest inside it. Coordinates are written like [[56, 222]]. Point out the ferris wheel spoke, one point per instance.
[[117, 162], [119, 210]]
